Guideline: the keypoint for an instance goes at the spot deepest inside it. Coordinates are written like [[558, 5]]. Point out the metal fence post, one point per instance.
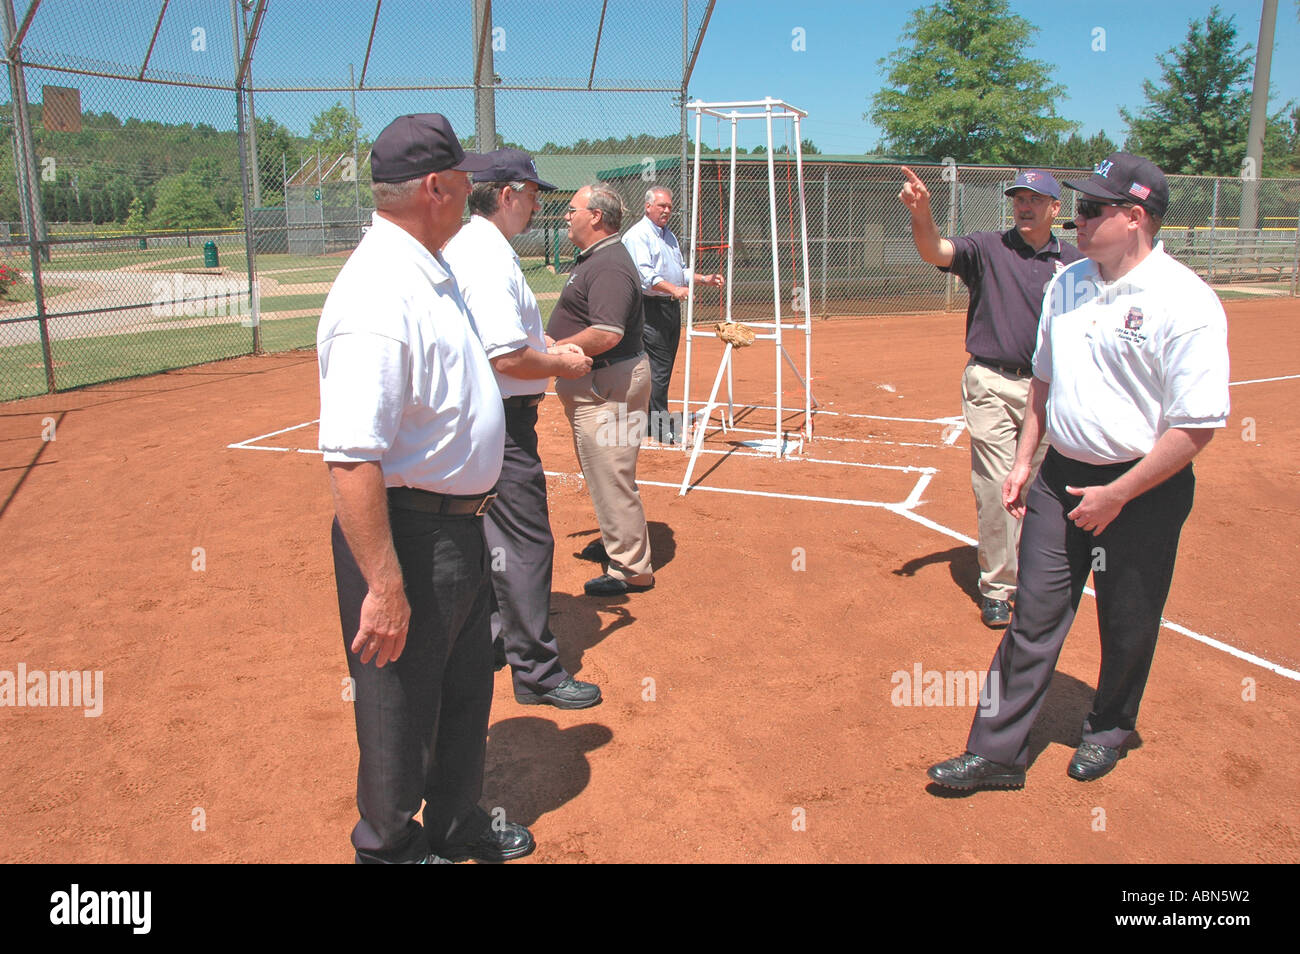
[[1214, 224], [948, 290], [826, 206]]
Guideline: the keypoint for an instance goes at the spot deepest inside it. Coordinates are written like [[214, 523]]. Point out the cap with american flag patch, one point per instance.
[[1124, 177]]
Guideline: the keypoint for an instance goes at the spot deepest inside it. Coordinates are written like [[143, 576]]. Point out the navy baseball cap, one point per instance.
[[1036, 180], [1124, 177], [417, 144], [512, 165]]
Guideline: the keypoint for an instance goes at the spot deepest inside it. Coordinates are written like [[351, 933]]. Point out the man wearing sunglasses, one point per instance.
[[1006, 274], [1130, 383]]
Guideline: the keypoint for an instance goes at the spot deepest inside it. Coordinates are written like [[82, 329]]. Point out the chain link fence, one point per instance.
[[169, 200]]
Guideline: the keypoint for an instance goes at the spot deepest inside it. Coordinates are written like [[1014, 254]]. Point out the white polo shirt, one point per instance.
[[403, 377], [1130, 359], [504, 308], [657, 255]]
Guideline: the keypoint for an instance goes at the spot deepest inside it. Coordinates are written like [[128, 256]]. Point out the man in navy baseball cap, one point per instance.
[[1036, 180], [1125, 179], [414, 145], [511, 165]]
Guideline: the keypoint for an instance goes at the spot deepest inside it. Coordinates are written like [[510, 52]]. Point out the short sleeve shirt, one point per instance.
[[1006, 279], [1128, 360], [603, 292], [503, 307], [403, 377]]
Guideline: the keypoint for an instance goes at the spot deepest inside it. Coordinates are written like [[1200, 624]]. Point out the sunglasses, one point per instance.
[[1091, 208]]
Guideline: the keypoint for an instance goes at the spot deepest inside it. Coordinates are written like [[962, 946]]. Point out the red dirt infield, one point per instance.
[[749, 698]]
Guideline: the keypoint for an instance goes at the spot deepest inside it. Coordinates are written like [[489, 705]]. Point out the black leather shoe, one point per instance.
[[595, 552], [502, 841], [606, 585], [1092, 761], [969, 772], [570, 694], [996, 614]]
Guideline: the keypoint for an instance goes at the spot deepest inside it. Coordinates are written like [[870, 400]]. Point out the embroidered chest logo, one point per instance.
[[1132, 330]]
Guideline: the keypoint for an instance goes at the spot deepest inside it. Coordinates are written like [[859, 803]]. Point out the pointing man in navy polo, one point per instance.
[[1006, 274]]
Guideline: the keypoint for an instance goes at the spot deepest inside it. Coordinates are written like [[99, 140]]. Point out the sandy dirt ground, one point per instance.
[[749, 698]]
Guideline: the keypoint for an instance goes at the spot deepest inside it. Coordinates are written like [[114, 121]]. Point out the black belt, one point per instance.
[[523, 400], [1017, 370], [445, 505], [606, 362]]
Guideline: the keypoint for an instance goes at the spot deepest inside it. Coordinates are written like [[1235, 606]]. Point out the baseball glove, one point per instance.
[[735, 334]]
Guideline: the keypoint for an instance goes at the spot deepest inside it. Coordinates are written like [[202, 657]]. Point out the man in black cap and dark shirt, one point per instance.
[[411, 427], [1006, 274], [1130, 383]]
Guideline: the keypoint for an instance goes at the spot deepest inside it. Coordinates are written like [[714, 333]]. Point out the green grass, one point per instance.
[[292, 302], [303, 276], [72, 260], [91, 360], [25, 291]]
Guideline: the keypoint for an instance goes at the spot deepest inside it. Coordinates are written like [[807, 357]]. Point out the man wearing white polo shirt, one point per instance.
[[1130, 383], [509, 324], [411, 428]]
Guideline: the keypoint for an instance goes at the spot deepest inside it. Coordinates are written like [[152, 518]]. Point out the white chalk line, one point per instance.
[[903, 509], [1285, 377], [262, 437], [1167, 624], [901, 468], [848, 502]]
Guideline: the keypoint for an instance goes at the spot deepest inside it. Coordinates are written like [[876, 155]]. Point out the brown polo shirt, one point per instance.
[[603, 292]]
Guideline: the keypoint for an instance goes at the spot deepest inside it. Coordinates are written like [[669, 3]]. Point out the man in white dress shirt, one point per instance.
[[509, 323], [665, 281], [411, 427], [1130, 383]]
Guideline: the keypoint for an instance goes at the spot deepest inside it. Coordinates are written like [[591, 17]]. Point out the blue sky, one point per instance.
[[747, 54]]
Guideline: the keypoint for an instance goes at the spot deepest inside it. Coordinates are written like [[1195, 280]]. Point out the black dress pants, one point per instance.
[[422, 720], [1132, 562], [518, 529], [662, 333]]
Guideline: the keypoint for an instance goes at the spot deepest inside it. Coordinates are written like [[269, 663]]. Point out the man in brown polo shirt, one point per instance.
[[600, 311]]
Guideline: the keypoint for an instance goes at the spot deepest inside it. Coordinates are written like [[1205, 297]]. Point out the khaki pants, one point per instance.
[[608, 411], [994, 403]]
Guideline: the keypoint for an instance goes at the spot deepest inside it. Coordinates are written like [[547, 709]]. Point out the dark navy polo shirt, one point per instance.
[[1007, 281]]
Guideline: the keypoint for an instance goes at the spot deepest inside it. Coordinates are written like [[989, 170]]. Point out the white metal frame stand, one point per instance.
[[766, 109]]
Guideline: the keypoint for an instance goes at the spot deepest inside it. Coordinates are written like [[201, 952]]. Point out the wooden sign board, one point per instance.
[[61, 110]]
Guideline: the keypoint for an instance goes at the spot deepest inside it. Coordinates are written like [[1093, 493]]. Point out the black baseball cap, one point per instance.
[[511, 165], [1124, 177], [417, 144]]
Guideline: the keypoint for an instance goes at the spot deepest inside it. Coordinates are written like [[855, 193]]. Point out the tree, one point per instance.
[[1196, 121], [335, 131], [1076, 152], [183, 202], [964, 87]]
